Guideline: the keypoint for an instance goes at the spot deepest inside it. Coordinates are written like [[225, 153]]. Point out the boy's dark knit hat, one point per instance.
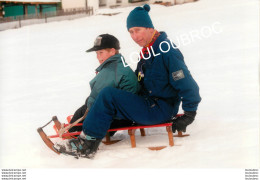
[[139, 17], [104, 41]]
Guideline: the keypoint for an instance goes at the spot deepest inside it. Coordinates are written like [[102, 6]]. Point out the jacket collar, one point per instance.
[[161, 38], [109, 60]]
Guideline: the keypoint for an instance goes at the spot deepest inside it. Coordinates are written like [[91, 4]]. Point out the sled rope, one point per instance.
[[65, 129]]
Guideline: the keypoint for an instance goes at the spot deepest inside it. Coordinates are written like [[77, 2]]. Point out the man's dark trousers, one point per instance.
[[112, 102]]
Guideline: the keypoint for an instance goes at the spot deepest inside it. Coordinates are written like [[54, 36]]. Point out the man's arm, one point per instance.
[[182, 81], [188, 90]]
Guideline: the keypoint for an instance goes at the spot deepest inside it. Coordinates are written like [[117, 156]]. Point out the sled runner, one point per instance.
[[45, 138], [61, 133]]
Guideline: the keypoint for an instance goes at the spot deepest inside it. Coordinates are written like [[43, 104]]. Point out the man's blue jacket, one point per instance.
[[167, 77]]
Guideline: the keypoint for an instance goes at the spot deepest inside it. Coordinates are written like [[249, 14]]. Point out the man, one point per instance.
[[110, 73], [165, 82]]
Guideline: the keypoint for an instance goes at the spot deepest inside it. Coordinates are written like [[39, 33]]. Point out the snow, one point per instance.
[[44, 71]]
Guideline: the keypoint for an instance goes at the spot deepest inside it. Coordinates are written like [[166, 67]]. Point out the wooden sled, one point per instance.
[[131, 132]]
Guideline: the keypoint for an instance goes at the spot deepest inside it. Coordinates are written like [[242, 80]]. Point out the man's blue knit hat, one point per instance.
[[139, 17]]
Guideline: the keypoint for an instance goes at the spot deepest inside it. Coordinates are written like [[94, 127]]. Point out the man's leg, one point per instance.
[[114, 102], [116, 123]]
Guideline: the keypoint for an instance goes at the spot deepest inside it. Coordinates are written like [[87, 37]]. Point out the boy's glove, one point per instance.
[[180, 123]]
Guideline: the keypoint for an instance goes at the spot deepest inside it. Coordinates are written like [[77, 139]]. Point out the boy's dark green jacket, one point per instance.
[[113, 73]]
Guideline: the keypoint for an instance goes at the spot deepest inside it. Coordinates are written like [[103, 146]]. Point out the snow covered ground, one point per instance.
[[44, 71]]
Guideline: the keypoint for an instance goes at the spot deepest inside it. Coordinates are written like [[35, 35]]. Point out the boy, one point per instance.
[[110, 73]]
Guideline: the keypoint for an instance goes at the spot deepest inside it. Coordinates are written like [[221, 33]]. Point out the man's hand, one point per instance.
[[180, 123]]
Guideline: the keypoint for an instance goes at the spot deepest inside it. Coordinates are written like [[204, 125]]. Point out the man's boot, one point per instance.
[[84, 146]]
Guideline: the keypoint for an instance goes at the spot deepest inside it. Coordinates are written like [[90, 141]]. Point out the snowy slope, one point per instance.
[[44, 71]]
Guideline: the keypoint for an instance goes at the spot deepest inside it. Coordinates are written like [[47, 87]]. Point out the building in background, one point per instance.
[[15, 8], [25, 9], [96, 4], [79, 4]]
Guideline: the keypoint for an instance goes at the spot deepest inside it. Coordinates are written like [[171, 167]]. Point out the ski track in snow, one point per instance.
[[44, 71]]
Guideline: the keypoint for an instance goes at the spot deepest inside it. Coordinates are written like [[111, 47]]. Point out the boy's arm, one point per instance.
[[100, 84], [129, 83]]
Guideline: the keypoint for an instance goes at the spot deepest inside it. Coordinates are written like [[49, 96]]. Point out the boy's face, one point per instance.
[[141, 35], [104, 54]]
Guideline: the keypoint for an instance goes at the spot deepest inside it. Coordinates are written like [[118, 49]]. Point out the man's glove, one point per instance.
[[180, 123]]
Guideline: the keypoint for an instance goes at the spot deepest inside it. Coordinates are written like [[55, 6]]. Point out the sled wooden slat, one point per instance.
[[157, 148]]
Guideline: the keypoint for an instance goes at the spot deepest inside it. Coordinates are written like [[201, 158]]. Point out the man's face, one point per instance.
[[104, 54], [141, 35]]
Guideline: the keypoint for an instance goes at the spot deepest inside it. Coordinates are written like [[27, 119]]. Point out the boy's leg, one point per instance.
[[119, 123], [78, 114], [114, 102]]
